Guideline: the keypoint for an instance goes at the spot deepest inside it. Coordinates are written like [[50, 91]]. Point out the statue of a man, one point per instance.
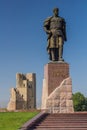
[[55, 27]]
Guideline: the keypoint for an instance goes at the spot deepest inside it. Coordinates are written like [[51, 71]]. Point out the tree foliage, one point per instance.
[[80, 102]]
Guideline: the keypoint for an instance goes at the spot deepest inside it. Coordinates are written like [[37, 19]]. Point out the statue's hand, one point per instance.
[[49, 32]]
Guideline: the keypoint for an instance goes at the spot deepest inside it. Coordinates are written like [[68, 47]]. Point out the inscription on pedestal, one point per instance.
[[59, 74]]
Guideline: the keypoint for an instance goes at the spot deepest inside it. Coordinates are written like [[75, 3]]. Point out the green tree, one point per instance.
[[79, 101], [85, 104]]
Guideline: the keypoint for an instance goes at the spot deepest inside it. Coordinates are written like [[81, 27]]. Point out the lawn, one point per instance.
[[13, 120]]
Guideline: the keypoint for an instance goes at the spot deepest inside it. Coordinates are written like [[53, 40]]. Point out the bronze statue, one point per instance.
[[55, 27]]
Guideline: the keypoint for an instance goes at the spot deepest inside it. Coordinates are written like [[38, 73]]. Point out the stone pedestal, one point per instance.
[[57, 88]]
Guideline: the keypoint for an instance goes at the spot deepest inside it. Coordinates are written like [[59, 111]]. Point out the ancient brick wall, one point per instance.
[[24, 95]]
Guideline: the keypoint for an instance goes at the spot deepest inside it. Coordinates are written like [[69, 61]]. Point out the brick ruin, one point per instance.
[[24, 95]]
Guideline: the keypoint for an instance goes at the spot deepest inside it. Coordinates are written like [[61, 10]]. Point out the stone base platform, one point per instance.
[[57, 89]]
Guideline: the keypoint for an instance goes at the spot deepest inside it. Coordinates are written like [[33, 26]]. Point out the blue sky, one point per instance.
[[23, 41]]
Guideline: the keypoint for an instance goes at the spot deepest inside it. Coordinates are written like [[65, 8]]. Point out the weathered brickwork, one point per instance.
[[24, 95]]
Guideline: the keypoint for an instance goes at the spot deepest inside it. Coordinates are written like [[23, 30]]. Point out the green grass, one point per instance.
[[13, 120]]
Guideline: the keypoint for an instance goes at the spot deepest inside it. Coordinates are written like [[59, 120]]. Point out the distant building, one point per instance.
[[24, 95]]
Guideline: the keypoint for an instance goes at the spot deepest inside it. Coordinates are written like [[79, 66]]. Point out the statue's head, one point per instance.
[[56, 11]]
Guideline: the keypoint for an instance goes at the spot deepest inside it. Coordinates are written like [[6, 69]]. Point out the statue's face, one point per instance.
[[55, 12]]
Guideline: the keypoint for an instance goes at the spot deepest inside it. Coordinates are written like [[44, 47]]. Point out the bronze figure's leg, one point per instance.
[[60, 52], [49, 50], [53, 54], [56, 54]]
